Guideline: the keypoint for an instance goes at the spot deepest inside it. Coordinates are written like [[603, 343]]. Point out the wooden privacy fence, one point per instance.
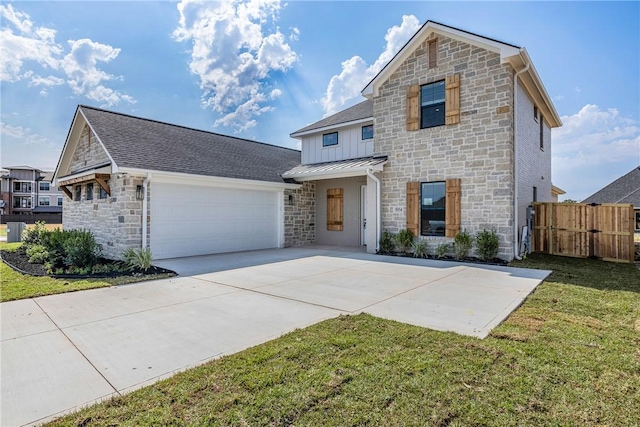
[[602, 231]]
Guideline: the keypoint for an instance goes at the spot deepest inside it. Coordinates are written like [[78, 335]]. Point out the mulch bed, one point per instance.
[[472, 260], [19, 261]]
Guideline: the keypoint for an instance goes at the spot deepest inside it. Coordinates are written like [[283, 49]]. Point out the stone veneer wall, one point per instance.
[[478, 150], [116, 222], [300, 218], [88, 153]]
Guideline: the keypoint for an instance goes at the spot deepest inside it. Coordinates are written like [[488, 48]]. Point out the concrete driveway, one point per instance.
[[65, 351]]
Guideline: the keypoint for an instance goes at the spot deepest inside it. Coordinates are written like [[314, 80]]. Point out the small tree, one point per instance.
[[462, 244], [387, 242], [404, 239], [487, 244]]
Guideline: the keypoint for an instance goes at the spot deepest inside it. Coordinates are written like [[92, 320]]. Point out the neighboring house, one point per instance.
[[455, 135], [141, 183], [625, 189], [27, 190], [555, 192]]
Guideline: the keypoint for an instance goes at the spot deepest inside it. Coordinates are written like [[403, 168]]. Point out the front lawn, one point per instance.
[[14, 285], [568, 356]]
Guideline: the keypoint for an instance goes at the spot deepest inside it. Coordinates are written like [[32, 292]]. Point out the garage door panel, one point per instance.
[[191, 220]]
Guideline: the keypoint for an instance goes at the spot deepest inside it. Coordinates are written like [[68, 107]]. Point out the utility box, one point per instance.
[[14, 231]]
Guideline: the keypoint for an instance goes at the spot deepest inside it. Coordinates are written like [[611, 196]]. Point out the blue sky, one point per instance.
[[263, 69]]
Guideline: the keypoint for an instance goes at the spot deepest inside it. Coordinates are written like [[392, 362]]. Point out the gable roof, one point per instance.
[[360, 112], [139, 143], [625, 189], [510, 54]]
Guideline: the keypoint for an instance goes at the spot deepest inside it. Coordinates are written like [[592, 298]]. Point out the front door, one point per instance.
[[363, 215]]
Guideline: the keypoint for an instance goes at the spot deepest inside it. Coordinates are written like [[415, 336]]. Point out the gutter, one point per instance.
[[145, 214], [516, 248], [378, 208]]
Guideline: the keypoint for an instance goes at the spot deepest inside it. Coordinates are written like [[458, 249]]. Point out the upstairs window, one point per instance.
[[44, 201], [102, 194], [77, 196], [59, 200], [21, 187], [44, 186], [367, 132], [329, 139], [432, 99], [89, 191]]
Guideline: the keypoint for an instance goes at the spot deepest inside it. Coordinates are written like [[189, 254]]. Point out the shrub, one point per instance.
[[34, 235], [462, 244], [138, 259], [487, 244], [387, 242], [404, 240], [80, 249], [37, 254], [442, 249], [419, 249]]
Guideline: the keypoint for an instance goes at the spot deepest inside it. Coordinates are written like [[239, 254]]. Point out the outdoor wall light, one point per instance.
[[290, 199], [139, 192]]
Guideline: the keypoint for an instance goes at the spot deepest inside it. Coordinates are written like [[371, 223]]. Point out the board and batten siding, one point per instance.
[[350, 146]]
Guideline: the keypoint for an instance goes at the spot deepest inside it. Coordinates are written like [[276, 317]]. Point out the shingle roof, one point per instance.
[[363, 110], [625, 189], [140, 143]]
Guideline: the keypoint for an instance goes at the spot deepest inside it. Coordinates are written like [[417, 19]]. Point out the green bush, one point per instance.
[[37, 254], [462, 244], [80, 249], [138, 259], [419, 249], [442, 250], [487, 244], [387, 242], [404, 240], [34, 235]]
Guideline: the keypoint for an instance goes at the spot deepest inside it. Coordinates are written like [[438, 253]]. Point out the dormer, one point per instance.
[[342, 136]]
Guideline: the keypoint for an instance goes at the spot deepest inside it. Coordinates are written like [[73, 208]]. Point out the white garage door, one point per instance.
[[191, 220]]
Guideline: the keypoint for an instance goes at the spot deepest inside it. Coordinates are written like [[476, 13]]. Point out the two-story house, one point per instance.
[[454, 134], [27, 190]]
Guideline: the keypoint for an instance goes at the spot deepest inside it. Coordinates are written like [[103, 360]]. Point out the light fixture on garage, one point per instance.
[[139, 192]]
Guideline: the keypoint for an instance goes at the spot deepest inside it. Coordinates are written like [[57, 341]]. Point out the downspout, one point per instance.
[[378, 204], [145, 214], [516, 248]]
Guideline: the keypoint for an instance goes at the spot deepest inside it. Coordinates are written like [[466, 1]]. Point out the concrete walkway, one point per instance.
[[65, 351]]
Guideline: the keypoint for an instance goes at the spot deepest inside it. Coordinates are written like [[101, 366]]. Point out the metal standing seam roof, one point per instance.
[[337, 166], [363, 110], [625, 189], [140, 143]]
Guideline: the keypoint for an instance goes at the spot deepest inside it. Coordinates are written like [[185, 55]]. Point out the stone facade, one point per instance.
[[478, 150], [89, 152], [300, 215], [116, 221]]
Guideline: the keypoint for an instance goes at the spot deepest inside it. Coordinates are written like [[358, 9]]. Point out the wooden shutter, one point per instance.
[[413, 107], [433, 53], [413, 207], [452, 207], [334, 209], [452, 99]]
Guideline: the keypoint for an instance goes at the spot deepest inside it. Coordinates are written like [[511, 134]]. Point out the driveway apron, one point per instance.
[[62, 352]]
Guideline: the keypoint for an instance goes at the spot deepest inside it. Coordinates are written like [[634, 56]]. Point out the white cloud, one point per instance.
[[22, 41], [24, 135], [345, 87], [592, 143], [233, 53]]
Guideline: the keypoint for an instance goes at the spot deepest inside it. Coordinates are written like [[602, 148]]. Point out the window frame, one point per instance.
[[77, 193], [433, 105], [541, 132], [443, 231], [535, 194], [59, 200], [362, 133], [41, 198], [102, 194], [20, 184], [325, 145], [89, 191], [44, 189], [536, 113]]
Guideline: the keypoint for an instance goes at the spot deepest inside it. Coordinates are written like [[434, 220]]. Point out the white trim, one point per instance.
[[344, 173], [363, 215], [281, 219], [214, 181], [336, 126], [102, 169]]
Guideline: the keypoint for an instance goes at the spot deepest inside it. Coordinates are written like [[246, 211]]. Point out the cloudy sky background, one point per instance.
[[261, 69]]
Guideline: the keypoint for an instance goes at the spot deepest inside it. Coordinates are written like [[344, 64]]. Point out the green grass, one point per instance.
[[568, 356], [14, 286]]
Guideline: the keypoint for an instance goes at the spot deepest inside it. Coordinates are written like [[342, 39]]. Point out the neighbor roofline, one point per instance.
[[330, 127]]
